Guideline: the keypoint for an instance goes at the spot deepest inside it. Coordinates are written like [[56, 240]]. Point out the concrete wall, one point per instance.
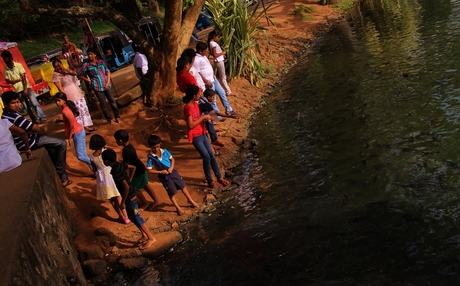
[[35, 230]]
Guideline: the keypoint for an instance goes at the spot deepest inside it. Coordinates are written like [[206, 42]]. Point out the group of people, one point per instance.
[[119, 182], [195, 77]]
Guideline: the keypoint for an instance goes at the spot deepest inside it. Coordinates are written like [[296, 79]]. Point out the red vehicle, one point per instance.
[[38, 88]]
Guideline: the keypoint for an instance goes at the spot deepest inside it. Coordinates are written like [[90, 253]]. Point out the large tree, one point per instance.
[[124, 14]]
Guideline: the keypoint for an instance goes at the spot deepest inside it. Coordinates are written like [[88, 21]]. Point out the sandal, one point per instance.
[[223, 182]]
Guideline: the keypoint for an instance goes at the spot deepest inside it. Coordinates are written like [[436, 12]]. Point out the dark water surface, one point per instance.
[[355, 179]]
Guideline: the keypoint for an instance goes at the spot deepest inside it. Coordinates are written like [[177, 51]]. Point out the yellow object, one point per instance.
[[1, 107], [45, 73]]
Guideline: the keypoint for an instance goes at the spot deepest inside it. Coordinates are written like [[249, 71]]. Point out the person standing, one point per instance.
[[67, 82], [219, 59], [72, 53], [95, 73], [141, 68], [205, 69], [15, 74]]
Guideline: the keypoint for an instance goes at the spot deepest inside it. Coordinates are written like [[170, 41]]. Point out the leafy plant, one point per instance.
[[345, 5], [238, 28], [300, 10]]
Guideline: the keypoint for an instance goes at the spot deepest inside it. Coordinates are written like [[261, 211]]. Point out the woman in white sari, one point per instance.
[[67, 82]]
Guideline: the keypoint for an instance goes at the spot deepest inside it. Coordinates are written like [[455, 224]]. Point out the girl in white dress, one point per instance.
[[105, 186]]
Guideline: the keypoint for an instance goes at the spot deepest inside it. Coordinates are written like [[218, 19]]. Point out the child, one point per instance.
[[219, 58], [197, 135], [140, 179], [73, 129], [204, 103], [105, 186], [128, 195], [163, 162]]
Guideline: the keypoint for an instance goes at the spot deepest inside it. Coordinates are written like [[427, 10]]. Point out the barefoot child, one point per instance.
[[105, 186], [128, 195], [161, 162], [140, 179]]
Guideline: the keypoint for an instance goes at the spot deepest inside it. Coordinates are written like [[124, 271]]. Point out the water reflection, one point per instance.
[[355, 177]]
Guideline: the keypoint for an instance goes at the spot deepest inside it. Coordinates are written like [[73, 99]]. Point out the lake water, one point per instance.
[[355, 178]]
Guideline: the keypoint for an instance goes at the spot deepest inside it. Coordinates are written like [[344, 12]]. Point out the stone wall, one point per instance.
[[35, 230]]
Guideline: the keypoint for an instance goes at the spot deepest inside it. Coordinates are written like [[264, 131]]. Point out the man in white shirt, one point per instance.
[[141, 68], [204, 68]]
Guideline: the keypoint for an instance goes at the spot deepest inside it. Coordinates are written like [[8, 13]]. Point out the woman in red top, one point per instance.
[[184, 78], [197, 135], [73, 130]]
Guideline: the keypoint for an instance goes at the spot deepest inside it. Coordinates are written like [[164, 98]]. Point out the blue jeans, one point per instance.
[[201, 144], [223, 97], [34, 102], [57, 149], [132, 210], [79, 141], [101, 96], [212, 132]]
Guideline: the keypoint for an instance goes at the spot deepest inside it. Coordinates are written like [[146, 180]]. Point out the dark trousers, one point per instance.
[[101, 96], [211, 130], [57, 149]]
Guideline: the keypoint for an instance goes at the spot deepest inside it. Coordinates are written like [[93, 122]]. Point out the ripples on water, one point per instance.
[[355, 179]]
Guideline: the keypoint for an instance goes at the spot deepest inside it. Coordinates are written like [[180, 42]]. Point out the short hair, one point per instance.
[[153, 140], [92, 50], [109, 155], [208, 92], [6, 54], [200, 46], [97, 142], [181, 63], [188, 53], [9, 96], [121, 135]]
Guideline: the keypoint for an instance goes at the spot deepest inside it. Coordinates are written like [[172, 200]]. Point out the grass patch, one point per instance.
[[345, 5], [38, 46], [302, 11]]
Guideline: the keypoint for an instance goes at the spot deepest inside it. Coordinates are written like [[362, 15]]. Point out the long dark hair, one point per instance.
[[69, 103], [190, 93], [212, 34]]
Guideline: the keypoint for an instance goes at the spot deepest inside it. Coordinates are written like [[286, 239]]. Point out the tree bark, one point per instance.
[[188, 24]]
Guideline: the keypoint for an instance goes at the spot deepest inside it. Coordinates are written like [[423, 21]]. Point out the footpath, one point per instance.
[[104, 243]]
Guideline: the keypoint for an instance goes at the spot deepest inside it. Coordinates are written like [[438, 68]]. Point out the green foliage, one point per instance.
[[238, 27], [300, 10], [187, 3], [174, 99], [17, 24], [30, 48], [345, 5]]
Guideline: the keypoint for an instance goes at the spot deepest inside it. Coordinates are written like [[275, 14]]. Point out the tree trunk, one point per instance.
[[188, 24], [163, 61]]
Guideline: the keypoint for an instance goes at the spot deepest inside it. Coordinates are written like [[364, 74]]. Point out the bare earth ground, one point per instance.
[[287, 39]]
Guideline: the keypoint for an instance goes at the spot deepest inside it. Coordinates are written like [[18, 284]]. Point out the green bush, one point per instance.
[[238, 27]]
